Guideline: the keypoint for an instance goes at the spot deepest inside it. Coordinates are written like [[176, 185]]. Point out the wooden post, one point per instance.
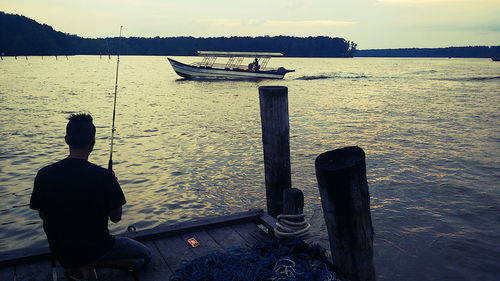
[[293, 203], [276, 144], [291, 224], [344, 193]]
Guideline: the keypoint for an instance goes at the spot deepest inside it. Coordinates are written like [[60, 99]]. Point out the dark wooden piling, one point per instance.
[[344, 193], [293, 203], [276, 144], [292, 224]]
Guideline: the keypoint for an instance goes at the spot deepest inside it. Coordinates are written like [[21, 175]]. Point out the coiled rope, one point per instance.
[[287, 226]]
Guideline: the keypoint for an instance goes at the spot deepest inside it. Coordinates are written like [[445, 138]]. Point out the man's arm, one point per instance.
[[114, 198], [116, 214]]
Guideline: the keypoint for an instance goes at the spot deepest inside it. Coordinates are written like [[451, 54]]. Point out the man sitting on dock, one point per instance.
[[75, 198]]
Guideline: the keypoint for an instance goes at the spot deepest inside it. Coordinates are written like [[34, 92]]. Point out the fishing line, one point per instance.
[[110, 163]]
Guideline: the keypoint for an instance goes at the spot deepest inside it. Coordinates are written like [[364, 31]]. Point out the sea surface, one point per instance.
[[183, 149]]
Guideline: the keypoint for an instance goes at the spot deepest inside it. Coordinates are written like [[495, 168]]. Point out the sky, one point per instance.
[[372, 24]]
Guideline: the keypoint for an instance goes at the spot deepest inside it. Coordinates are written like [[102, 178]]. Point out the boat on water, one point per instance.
[[233, 68]]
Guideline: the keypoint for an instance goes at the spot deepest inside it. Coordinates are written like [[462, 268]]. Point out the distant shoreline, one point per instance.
[[22, 36], [63, 56], [449, 52]]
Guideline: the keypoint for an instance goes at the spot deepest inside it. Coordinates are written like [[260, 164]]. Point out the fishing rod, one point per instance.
[[110, 163]]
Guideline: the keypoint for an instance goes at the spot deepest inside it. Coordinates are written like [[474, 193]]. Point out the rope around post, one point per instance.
[[286, 228]]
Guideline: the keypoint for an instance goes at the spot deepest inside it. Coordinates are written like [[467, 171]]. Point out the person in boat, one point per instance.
[[256, 65], [75, 198]]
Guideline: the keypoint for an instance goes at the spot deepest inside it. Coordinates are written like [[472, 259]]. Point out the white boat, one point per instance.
[[232, 69]]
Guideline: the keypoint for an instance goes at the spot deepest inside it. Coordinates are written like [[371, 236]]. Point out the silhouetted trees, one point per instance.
[[455, 52], [22, 36]]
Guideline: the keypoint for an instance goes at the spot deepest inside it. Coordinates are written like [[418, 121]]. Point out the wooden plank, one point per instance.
[[60, 272], [226, 237], [163, 231], [268, 222], [26, 255], [104, 274], [109, 274], [243, 231], [7, 274], [251, 232], [37, 271], [174, 251], [157, 269], [207, 243]]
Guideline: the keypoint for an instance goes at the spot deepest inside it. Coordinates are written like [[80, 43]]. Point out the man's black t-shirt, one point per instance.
[[76, 197]]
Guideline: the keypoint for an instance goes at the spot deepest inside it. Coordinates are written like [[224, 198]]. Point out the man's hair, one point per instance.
[[80, 130]]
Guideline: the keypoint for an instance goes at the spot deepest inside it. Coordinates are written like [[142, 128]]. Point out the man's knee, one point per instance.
[[139, 251], [143, 256], [146, 254]]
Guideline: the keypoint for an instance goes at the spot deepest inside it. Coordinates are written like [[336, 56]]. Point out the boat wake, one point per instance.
[[423, 72], [484, 78], [473, 79], [333, 76]]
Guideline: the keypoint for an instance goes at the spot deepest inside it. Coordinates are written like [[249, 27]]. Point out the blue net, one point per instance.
[[270, 260]]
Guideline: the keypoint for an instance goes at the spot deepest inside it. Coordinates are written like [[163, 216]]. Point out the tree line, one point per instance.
[[22, 36], [449, 52]]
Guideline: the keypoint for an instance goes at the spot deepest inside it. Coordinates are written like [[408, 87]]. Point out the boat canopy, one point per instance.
[[239, 54], [235, 59]]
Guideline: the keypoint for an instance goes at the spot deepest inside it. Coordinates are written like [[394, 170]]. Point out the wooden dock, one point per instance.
[[168, 244]]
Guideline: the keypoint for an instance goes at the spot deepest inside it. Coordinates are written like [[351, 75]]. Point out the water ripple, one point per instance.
[[188, 149]]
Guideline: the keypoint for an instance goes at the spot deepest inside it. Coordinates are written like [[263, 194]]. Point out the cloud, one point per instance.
[[259, 27], [423, 2], [221, 22], [310, 23], [415, 1]]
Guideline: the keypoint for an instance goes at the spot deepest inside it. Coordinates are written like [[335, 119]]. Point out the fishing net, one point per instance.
[[272, 260]]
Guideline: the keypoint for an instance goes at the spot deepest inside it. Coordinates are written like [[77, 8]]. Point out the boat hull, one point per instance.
[[195, 72]]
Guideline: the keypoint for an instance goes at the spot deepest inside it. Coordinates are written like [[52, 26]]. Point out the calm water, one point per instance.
[[430, 129]]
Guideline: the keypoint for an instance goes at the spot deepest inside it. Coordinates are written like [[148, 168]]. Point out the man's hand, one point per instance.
[[116, 214]]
